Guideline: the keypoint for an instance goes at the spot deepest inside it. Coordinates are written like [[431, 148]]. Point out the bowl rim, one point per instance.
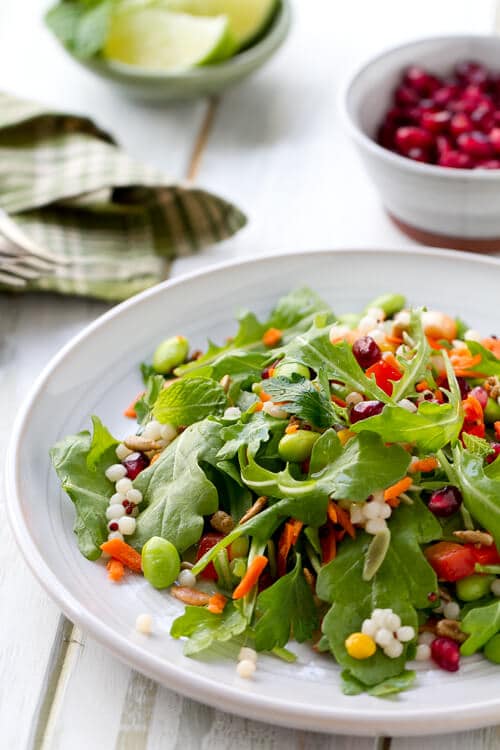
[[364, 141], [187, 683], [273, 37]]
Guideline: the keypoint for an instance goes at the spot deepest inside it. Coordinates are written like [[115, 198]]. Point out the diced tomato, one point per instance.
[[451, 561], [485, 555], [208, 541], [384, 372]]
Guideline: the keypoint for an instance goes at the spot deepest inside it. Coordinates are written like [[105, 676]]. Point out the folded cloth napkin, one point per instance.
[[117, 223]]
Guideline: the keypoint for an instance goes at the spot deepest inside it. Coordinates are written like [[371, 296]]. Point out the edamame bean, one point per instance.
[[389, 303], [170, 353], [297, 446], [492, 411], [473, 587], [287, 369], [492, 649], [161, 563]]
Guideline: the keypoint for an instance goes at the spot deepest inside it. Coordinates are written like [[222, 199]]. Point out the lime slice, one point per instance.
[[154, 38], [247, 18]]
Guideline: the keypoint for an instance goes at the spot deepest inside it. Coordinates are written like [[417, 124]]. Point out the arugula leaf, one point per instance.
[[489, 364], [302, 398], [477, 446], [146, 371], [482, 623], [203, 628], [294, 312], [144, 406], [176, 489], [80, 462], [244, 369], [431, 427], [402, 582], [364, 466], [251, 430], [190, 400], [325, 450], [284, 609], [414, 369], [336, 361], [480, 492]]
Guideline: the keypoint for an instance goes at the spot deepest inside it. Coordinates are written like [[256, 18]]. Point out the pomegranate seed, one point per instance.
[[481, 394], [489, 164], [464, 387], [494, 136], [365, 409], [126, 503], [445, 94], [113, 526], [436, 122], [366, 351], [445, 502], [446, 654], [496, 452], [406, 96], [471, 72], [411, 137], [455, 160], [420, 80], [135, 463], [129, 510], [443, 144], [460, 123], [475, 144]]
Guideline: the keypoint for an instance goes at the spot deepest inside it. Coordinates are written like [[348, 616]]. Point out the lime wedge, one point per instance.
[[247, 18], [154, 38]]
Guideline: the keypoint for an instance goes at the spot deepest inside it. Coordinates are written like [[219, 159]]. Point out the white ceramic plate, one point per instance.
[[97, 373]]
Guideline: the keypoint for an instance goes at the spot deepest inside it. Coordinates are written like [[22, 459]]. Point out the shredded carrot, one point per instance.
[[396, 489], [216, 604], [194, 597], [272, 372], [123, 552], [287, 540], [434, 343], [272, 337], [116, 570], [332, 512], [130, 411], [338, 401], [463, 364], [344, 519], [251, 577], [345, 435], [394, 339], [258, 406], [438, 395], [424, 465], [264, 396], [422, 386], [493, 345], [328, 543], [292, 428], [155, 458], [391, 360]]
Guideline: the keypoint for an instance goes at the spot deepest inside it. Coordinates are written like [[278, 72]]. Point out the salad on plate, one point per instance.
[[316, 478]]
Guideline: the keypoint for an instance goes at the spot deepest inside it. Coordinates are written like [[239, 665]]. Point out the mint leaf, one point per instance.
[[190, 400], [482, 623], [284, 609], [302, 398], [176, 489], [81, 26], [144, 406], [80, 462], [203, 628]]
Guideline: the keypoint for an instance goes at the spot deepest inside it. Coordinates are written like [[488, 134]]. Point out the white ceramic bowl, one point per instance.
[[440, 206], [97, 372]]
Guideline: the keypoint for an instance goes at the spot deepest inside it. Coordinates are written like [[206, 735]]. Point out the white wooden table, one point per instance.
[[276, 147]]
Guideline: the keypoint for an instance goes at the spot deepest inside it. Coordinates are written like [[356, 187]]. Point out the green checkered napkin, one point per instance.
[[118, 223]]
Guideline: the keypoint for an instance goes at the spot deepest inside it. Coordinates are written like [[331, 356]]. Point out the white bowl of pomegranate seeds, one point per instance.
[[426, 119]]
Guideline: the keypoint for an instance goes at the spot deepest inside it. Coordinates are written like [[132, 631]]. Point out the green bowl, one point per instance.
[[196, 82]]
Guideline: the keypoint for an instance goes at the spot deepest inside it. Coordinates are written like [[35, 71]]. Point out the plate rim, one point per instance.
[[396, 722]]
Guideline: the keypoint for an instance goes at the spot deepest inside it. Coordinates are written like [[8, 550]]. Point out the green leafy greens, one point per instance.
[[190, 400]]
